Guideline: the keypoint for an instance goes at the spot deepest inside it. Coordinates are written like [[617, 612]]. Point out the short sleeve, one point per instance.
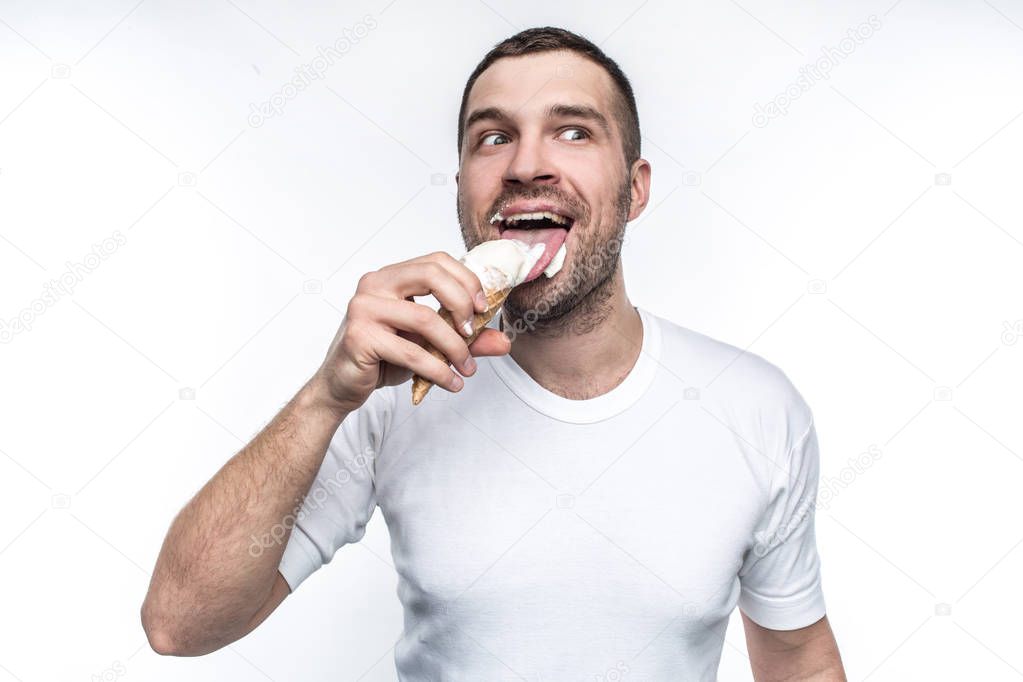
[[780, 576], [342, 497]]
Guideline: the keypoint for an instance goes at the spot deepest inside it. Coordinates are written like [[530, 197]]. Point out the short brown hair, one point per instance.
[[548, 39]]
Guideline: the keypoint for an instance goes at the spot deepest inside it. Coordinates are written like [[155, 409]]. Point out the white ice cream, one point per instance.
[[556, 262], [505, 263], [502, 263]]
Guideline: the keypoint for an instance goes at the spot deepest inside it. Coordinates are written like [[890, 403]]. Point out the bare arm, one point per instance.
[[214, 580], [211, 580], [809, 653]]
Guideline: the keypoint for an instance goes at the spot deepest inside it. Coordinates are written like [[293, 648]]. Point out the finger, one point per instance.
[[463, 274], [491, 342], [401, 352], [414, 337], [420, 319], [457, 268], [419, 278]]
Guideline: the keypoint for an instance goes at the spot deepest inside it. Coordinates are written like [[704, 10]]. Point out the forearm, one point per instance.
[[219, 560]]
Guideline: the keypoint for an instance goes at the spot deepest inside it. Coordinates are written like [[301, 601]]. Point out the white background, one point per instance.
[[822, 241]]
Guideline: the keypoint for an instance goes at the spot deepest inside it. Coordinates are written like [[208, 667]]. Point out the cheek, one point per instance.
[[572, 241]]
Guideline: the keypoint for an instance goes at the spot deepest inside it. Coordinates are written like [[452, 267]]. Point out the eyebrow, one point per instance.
[[553, 111]]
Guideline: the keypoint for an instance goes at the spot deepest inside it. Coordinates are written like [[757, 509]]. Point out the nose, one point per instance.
[[531, 163]]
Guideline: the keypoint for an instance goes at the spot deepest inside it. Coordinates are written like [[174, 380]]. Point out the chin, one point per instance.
[[542, 295]]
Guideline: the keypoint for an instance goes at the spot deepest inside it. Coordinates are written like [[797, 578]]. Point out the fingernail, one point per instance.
[[481, 301], [467, 328], [470, 365], [456, 382]]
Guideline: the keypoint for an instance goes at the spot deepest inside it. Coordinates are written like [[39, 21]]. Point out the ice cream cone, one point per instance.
[[501, 265], [479, 321]]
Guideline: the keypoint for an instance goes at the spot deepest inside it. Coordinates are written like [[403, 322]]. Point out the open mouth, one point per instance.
[[533, 221], [545, 227]]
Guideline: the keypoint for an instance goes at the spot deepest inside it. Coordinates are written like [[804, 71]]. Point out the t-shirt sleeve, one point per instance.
[[780, 577], [342, 497]]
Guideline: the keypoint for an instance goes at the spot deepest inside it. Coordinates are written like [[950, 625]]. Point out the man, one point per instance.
[[591, 504]]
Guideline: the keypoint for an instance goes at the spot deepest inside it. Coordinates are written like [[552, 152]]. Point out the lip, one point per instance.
[[531, 207]]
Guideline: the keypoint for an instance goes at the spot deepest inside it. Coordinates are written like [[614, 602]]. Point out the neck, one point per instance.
[[588, 351]]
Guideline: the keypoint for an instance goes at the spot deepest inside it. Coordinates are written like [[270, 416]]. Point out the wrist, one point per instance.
[[315, 397]]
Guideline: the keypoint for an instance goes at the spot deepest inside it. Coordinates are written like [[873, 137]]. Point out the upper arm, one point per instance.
[[809, 652], [780, 575], [342, 497]]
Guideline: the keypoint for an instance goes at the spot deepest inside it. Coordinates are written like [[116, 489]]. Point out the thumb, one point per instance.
[[491, 342]]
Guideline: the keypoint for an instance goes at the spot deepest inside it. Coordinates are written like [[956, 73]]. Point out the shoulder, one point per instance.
[[737, 383]]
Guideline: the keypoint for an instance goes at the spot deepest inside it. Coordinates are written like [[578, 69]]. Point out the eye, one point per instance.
[[484, 142], [577, 131]]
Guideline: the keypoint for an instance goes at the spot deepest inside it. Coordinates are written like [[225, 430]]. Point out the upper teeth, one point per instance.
[[553, 217]]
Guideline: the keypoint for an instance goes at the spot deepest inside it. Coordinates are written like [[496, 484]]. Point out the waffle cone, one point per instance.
[[495, 299]]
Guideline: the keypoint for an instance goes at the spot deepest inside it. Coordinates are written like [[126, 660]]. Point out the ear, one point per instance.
[[456, 178], [640, 187]]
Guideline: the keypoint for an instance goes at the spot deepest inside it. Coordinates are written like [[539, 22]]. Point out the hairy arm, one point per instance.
[[214, 579], [809, 653]]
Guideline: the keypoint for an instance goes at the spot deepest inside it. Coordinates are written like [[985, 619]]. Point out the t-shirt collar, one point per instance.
[[591, 410]]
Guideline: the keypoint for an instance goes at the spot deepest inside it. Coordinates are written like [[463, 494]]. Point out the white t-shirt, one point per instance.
[[547, 539]]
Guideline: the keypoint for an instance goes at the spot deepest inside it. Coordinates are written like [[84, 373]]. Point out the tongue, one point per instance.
[[551, 237]]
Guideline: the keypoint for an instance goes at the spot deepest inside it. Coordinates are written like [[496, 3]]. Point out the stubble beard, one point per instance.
[[576, 300]]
